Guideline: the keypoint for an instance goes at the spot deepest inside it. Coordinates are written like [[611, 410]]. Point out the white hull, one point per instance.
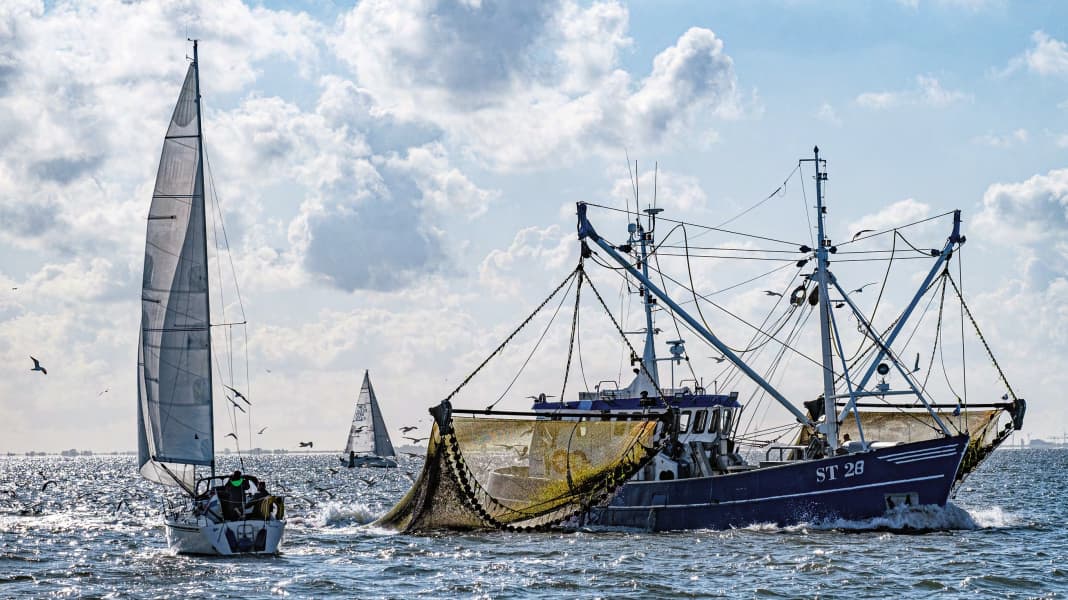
[[203, 536]]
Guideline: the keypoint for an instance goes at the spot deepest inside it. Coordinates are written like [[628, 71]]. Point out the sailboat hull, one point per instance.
[[380, 462], [852, 486], [228, 538]]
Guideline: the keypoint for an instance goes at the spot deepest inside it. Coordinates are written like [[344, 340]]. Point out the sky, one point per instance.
[[397, 182]]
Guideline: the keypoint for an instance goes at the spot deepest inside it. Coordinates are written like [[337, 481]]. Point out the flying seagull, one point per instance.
[[408, 428], [106, 390], [238, 394], [370, 482], [862, 232], [268, 370], [260, 432], [233, 435], [236, 405], [412, 454], [37, 366], [916, 367], [307, 444], [718, 359], [415, 440], [861, 288], [771, 293]]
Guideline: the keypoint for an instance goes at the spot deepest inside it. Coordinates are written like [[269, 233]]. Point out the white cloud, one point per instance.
[[679, 194], [1046, 57], [549, 248], [1008, 140], [1035, 210], [539, 83], [928, 92], [1062, 140], [827, 114], [899, 213]]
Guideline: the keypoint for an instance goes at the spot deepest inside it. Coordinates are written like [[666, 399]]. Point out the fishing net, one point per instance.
[[905, 426], [900, 426], [521, 473]]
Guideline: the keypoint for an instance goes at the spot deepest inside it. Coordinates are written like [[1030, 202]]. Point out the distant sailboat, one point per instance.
[[368, 444], [175, 416]]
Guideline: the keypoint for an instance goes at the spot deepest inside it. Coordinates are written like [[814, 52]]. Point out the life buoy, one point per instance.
[[558, 462], [275, 502]]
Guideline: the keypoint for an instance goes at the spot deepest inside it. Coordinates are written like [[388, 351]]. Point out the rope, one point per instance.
[[574, 330]]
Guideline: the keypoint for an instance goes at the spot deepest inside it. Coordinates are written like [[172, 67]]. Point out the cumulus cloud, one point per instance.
[[899, 213], [549, 86], [928, 92], [541, 248], [1036, 210], [827, 114], [1008, 140], [1046, 57]]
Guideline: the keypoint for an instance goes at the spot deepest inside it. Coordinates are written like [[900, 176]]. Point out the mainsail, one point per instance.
[[368, 434], [174, 410]]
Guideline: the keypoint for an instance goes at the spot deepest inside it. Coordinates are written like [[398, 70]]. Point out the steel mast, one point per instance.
[[823, 275]]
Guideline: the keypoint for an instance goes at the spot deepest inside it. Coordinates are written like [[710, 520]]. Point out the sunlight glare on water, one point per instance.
[[96, 531]]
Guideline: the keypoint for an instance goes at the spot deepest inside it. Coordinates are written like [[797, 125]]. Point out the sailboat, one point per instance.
[[368, 444], [695, 473], [175, 410]]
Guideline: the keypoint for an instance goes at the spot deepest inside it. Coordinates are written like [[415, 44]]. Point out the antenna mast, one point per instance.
[[823, 275]]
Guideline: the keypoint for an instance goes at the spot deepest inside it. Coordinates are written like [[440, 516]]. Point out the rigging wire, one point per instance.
[[706, 227]]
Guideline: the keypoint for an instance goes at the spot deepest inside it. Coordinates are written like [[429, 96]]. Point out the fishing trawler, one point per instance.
[[368, 444], [696, 473], [219, 515]]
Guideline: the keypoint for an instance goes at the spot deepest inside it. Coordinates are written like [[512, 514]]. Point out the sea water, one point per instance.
[[95, 531]]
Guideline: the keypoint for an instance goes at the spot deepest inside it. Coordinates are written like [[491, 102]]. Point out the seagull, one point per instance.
[[862, 232], [413, 454], [103, 392], [839, 305], [359, 429], [260, 432], [238, 394], [236, 405], [46, 484], [268, 370], [13, 289], [861, 288], [540, 397], [916, 367], [367, 480], [408, 428], [37, 366], [415, 440], [307, 444], [718, 359], [331, 469], [233, 435], [771, 293]]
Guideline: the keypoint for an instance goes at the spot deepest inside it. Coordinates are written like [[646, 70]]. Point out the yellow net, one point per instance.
[[914, 425], [531, 473]]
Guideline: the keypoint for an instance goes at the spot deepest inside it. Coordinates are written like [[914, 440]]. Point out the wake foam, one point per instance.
[[337, 514], [920, 519]]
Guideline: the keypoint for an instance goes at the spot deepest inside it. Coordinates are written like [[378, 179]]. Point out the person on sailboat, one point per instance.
[[232, 494]]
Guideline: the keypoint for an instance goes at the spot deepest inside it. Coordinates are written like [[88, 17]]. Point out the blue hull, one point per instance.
[[852, 486]]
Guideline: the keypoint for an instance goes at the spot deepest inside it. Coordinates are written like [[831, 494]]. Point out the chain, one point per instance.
[[608, 311], [982, 339], [573, 273], [574, 330]]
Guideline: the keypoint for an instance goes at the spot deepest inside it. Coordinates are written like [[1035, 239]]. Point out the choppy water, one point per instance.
[[97, 532]]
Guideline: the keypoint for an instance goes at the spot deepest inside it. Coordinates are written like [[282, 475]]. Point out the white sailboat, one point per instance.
[[175, 415], [368, 444]]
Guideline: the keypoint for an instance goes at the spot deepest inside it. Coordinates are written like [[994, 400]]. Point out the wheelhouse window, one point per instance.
[[699, 420], [684, 421]]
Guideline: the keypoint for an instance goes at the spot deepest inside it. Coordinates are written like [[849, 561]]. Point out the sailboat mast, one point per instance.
[[202, 208], [829, 411]]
